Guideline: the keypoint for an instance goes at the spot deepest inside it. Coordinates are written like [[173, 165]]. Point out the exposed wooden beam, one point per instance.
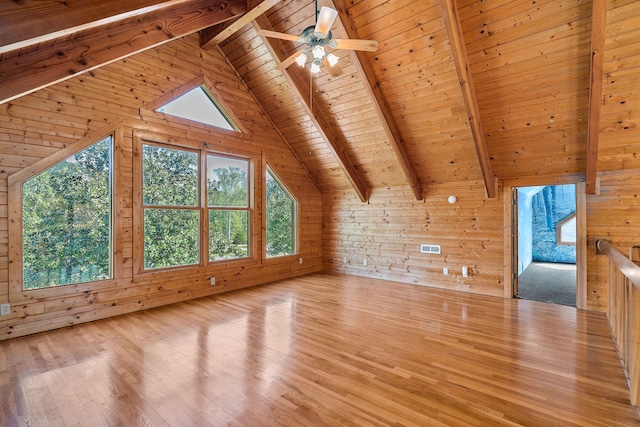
[[216, 35], [461, 60], [279, 132], [87, 50], [26, 23], [207, 35], [598, 26], [368, 77], [299, 87]]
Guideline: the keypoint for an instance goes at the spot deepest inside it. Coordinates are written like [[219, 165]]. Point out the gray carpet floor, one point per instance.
[[551, 283]]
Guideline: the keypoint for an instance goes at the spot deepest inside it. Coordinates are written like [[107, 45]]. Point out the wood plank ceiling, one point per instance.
[[509, 100], [457, 91]]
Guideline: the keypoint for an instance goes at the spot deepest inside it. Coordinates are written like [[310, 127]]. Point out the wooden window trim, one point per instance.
[[201, 80], [296, 229], [248, 208], [139, 208], [559, 226], [141, 137], [16, 292]]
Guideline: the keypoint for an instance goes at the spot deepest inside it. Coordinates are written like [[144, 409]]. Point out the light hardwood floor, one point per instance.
[[322, 350]]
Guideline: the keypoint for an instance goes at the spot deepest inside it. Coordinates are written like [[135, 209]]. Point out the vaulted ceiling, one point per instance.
[[463, 90]]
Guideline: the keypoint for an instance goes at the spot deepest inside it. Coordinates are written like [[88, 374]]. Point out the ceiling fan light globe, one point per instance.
[[332, 59], [325, 21], [318, 52], [301, 59], [315, 68]]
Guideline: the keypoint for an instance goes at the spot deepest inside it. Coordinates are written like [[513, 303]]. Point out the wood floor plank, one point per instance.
[[322, 350]]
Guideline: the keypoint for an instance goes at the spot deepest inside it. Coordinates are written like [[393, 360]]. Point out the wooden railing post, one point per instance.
[[623, 311], [634, 328]]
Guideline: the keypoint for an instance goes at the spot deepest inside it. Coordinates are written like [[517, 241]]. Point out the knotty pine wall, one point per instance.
[[614, 215], [388, 231], [36, 126]]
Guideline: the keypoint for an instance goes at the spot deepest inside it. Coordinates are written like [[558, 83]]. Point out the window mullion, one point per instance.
[[203, 206]]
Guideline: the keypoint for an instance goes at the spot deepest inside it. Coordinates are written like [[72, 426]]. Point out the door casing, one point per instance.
[[509, 188]]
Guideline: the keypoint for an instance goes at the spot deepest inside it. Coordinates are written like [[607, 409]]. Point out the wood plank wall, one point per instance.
[[389, 230], [38, 125], [613, 214], [619, 128]]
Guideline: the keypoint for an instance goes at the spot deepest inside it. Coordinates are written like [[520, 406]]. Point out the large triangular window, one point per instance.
[[199, 105]]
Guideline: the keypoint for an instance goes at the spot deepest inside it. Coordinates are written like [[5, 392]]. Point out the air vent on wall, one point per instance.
[[430, 249]]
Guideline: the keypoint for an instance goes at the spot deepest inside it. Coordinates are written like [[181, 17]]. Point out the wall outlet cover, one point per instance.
[[213, 281], [5, 309]]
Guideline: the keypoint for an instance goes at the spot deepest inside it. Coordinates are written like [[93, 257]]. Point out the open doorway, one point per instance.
[[546, 244]]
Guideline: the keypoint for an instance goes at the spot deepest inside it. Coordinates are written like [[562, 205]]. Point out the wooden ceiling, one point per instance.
[[457, 91]]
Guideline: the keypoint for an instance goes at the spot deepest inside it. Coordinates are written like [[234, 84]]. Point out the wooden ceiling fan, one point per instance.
[[317, 38]]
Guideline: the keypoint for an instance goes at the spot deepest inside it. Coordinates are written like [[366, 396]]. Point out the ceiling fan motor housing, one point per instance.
[[312, 39]]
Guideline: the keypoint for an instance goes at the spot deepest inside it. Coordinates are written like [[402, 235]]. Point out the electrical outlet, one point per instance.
[[300, 260], [364, 261], [445, 271], [344, 260], [213, 281], [465, 272], [5, 309]]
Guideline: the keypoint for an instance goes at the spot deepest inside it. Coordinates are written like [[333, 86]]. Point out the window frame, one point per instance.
[[15, 227], [247, 209], [203, 150], [559, 225], [196, 207], [216, 97], [295, 213], [214, 103]]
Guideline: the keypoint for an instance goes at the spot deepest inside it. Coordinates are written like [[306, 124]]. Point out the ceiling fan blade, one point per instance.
[[335, 71], [325, 21], [355, 44], [281, 36], [287, 62]]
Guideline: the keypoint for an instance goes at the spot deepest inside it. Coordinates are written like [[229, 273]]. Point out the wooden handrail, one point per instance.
[[623, 313], [626, 266]]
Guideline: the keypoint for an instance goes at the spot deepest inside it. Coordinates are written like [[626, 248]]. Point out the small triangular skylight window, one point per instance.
[[200, 106]]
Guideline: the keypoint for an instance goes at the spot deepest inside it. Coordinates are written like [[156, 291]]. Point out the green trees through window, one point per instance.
[[228, 204], [66, 220], [171, 187], [170, 191], [186, 202], [281, 218]]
